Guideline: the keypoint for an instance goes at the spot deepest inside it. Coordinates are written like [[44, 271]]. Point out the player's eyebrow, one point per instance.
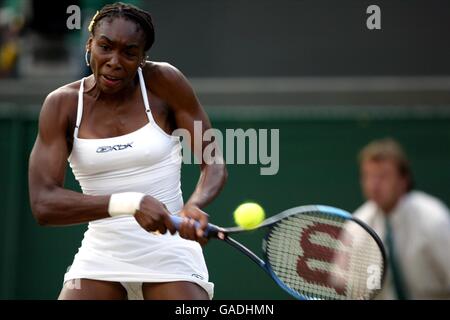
[[128, 46], [131, 46], [106, 38]]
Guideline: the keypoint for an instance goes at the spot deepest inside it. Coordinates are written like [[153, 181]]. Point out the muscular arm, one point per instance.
[[51, 204], [178, 93], [187, 109]]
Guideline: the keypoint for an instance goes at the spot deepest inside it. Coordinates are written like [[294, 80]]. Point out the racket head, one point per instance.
[[322, 252]]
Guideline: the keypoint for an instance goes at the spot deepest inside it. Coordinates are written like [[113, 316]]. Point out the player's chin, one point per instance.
[[111, 87]]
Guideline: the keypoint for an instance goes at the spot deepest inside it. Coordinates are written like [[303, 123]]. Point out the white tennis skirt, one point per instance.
[[118, 249]]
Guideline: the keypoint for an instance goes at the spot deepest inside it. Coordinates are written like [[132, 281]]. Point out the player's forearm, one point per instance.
[[211, 182], [58, 206]]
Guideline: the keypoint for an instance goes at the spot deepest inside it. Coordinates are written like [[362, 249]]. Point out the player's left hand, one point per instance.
[[187, 230]]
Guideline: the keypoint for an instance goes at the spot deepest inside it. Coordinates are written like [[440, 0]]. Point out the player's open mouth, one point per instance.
[[110, 81]]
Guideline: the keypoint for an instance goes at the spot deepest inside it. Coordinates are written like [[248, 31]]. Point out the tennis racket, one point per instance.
[[316, 252]]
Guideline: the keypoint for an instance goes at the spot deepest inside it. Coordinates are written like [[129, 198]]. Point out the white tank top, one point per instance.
[[147, 160]]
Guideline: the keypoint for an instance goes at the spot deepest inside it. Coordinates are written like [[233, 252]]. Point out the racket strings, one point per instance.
[[325, 257]]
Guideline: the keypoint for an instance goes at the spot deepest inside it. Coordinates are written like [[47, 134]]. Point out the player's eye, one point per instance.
[[104, 47]]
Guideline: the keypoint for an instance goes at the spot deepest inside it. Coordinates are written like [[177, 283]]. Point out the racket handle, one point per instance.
[[211, 230]]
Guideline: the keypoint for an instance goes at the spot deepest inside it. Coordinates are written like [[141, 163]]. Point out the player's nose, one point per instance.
[[114, 62]]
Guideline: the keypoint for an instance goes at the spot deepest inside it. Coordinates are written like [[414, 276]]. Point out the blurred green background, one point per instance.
[[308, 68]]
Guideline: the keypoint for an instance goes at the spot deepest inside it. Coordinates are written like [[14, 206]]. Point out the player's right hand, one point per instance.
[[153, 216]]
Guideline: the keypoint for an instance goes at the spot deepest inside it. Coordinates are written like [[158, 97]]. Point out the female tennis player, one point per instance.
[[115, 129]]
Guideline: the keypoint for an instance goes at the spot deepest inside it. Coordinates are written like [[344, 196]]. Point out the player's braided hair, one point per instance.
[[142, 18]]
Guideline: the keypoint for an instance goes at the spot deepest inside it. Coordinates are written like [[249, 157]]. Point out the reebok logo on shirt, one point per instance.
[[117, 147]]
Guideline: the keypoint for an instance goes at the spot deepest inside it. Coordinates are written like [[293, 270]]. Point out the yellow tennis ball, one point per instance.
[[249, 215]]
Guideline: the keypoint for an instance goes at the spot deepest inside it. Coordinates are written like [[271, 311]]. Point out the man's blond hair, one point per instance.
[[388, 149]]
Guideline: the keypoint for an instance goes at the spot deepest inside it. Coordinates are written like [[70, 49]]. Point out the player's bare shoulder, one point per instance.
[[161, 71], [164, 78], [63, 98], [60, 105], [58, 113]]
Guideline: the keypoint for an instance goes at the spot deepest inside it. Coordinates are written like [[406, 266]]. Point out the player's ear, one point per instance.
[[88, 43], [144, 61]]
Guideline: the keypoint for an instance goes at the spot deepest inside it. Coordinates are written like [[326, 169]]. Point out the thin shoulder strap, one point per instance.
[[144, 96], [79, 108]]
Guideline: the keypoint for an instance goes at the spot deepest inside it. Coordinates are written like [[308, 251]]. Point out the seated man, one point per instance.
[[414, 226]]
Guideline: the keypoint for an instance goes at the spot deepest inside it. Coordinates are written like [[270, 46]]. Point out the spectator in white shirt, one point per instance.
[[414, 226]]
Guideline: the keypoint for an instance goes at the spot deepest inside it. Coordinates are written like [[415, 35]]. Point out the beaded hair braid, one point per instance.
[[142, 18]]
